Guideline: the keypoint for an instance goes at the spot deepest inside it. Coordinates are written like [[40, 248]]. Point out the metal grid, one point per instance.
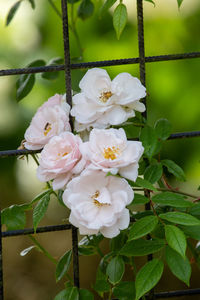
[[141, 60]]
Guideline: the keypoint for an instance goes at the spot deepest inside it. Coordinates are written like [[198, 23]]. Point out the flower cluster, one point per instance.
[[97, 201]]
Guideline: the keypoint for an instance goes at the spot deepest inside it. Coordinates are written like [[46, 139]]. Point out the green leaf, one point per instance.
[[85, 295], [142, 227], [87, 250], [107, 4], [36, 63], [101, 285], [39, 196], [163, 129], [148, 277], [24, 85], [179, 267], [145, 184], [86, 9], [68, 294], [180, 218], [125, 290], [149, 141], [119, 19], [142, 247], [192, 231], [176, 239], [40, 210], [118, 242], [195, 210], [52, 62], [63, 265], [115, 269], [151, 1], [153, 172], [13, 217], [32, 3], [174, 169], [12, 12], [179, 3], [171, 199], [139, 199], [72, 1]]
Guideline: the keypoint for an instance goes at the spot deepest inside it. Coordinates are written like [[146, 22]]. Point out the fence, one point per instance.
[[141, 60]]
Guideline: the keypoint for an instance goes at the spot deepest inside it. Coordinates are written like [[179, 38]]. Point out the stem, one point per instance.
[[110, 294], [170, 190], [46, 253], [155, 213]]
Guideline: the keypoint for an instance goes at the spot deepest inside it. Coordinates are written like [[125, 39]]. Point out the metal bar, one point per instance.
[[178, 293], [1, 264], [69, 101], [104, 63], [42, 229]]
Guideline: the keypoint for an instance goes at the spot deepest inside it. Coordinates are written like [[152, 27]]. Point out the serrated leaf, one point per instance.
[[85, 295], [40, 210], [145, 184], [85, 9], [142, 247], [163, 129], [24, 85], [12, 12], [139, 199], [119, 19], [149, 141], [148, 277], [63, 265], [171, 199], [107, 4], [142, 227], [13, 217], [115, 269], [174, 169], [32, 3], [179, 3], [180, 218], [70, 293], [179, 267], [125, 290], [176, 239], [52, 62], [153, 172]]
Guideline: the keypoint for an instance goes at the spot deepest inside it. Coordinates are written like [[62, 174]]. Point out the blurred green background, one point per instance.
[[173, 89]]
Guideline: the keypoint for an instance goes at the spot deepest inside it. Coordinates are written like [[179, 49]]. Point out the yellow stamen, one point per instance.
[[47, 128], [111, 153], [105, 96]]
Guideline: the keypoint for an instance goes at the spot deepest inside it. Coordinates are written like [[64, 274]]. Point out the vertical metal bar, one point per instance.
[[69, 101], [141, 48], [1, 264]]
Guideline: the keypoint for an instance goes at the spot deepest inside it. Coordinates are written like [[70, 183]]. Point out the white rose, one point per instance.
[[103, 102], [98, 203], [109, 151], [51, 119]]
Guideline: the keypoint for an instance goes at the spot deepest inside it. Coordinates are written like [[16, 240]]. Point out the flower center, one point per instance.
[[47, 128], [64, 154], [95, 200], [105, 96], [111, 152]]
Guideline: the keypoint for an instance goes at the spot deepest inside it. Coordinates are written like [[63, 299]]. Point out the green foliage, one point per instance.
[[32, 3], [149, 141], [145, 184], [176, 239], [139, 199], [85, 9], [105, 7], [180, 218], [192, 231], [13, 217], [70, 293], [119, 19], [118, 242], [174, 169], [179, 3], [101, 284], [153, 172], [125, 290], [85, 295], [142, 227], [12, 12], [63, 265], [148, 277], [179, 266], [171, 199], [151, 1], [115, 269], [53, 62], [40, 210], [163, 129], [142, 247]]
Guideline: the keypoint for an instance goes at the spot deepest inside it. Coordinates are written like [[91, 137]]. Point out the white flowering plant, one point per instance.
[[104, 180]]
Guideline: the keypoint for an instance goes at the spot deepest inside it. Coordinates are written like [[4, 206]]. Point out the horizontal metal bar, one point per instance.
[[178, 293], [43, 229], [173, 136], [104, 63]]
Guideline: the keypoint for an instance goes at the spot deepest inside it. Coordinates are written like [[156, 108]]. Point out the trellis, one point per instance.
[[141, 60]]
